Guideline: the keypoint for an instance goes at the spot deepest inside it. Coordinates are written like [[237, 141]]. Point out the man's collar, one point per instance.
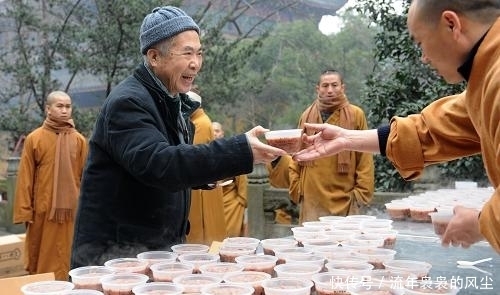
[[466, 68]]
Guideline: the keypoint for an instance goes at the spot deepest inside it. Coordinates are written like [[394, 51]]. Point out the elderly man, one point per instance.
[[135, 193]]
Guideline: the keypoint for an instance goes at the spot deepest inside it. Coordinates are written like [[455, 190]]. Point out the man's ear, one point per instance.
[[152, 55], [451, 20]]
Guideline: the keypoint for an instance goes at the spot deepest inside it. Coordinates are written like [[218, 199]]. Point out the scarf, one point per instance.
[[65, 190], [313, 115]]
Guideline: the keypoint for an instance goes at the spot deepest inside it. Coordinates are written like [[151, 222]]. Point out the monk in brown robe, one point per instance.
[[234, 192], [206, 214], [47, 188], [336, 185]]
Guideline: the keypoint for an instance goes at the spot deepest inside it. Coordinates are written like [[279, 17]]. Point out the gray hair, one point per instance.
[[163, 47]]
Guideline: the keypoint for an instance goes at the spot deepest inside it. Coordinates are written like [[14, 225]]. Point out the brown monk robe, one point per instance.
[[338, 184], [206, 215], [279, 172], [235, 202], [47, 188]]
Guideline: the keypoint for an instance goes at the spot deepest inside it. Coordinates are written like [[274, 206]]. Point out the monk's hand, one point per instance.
[[463, 228], [327, 140]]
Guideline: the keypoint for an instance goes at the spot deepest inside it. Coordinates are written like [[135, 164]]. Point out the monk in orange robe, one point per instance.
[[206, 214], [234, 190], [47, 188]]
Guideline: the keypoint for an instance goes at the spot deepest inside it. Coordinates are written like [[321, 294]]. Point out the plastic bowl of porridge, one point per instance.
[[190, 248], [283, 253], [152, 257], [348, 267], [376, 256], [167, 271], [389, 238], [375, 225], [333, 252], [122, 283], [287, 286], [307, 259], [88, 277], [47, 288], [238, 241], [157, 288], [127, 265], [332, 219], [227, 289], [338, 236], [289, 140], [419, 268], [420, 212], [440, 220], [193, 283], [319, 224], [294, 270], [327, 283], [197, 260], [221, 268], [269, 245], [157, 256], [302, 232], [367, 240], [264, 263], [391, 278], [398, 210], [248, 278], [228, 253]]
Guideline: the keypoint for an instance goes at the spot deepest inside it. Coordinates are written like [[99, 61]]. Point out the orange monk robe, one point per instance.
[[48, 243], [279, 173], [235, 202], [206, 215], [321, 190]]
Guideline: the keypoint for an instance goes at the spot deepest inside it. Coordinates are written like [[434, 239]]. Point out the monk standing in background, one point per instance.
[[48, 184], [234, 192], [206, 214], [350, 181]]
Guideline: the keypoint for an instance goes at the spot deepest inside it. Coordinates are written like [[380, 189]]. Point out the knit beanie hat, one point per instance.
[[163, 23]]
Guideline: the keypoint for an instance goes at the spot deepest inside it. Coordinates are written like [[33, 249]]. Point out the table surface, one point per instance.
[[417, 241]]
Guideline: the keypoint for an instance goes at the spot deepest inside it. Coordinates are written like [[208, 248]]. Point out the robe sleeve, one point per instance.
[[23, 209], [441, 132]]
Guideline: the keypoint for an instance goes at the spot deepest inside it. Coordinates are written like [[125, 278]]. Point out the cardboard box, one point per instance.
[[11, 256], [12, 286]]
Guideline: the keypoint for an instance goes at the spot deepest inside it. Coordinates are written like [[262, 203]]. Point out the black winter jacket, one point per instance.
[[135, 191]]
